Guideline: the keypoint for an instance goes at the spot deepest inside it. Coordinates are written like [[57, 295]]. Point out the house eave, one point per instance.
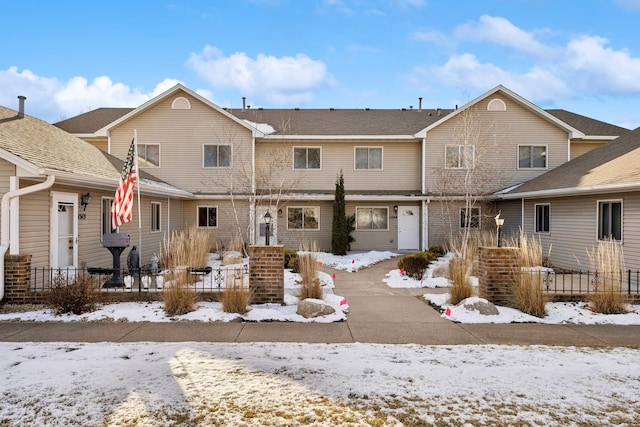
[[574, 191], [340, 138]]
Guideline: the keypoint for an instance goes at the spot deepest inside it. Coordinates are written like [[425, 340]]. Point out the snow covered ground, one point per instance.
[[291, 384]]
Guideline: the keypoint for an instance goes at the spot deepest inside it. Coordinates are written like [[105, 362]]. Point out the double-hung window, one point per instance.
[[216, 156], [303, 218], [208, 216], [470, 218], [610, 220], [542, 218], [532, 156], [368, 158], [155, 217], [306, 157], [149, 155], [372, 218], [460, 156]]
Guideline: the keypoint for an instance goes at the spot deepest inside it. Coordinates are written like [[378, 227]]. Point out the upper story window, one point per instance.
[[155, 217], [306, 157], [372, 218], [532, 156], [303, 218], [460, 156], [470, 218], [217, 156], [149, 155], [368, 157], [208, 216], [181, 103], [610, 220], [542, 218], [496, 104]]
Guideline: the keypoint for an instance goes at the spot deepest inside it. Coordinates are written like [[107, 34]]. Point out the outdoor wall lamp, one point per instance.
[[85, 200], [267, 223], [395, 209], [499, 224]]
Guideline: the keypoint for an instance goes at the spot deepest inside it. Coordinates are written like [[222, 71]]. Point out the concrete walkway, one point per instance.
[[378, 314]]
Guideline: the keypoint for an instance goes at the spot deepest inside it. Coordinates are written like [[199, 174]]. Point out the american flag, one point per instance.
[[122, 207]]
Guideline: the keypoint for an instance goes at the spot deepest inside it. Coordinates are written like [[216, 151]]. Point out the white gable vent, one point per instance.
[[496, 105], [181, 103]]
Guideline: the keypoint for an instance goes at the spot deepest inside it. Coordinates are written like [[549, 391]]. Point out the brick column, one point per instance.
[[17, 278], [266, 273], [496, 268]]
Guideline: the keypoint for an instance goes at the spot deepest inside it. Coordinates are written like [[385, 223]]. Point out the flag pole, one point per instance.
[[135, 138]]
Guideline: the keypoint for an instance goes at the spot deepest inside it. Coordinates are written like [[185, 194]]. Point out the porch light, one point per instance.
[[499, 224], [267, 223], [85, 200]]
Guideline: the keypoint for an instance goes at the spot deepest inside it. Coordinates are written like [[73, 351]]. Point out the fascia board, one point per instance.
[[574, 191]]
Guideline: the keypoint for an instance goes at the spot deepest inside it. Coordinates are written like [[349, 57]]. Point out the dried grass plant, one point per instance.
[[461, 288], [235, 297], [179, 298], [308, 267], [528, 289], [187, 248], [607, 262]]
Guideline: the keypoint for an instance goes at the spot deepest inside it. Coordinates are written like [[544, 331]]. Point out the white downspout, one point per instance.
[[4, 220]]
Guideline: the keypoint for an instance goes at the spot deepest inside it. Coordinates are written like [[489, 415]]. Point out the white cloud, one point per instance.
[[437, 38], [629, 4], [502, 32], [280, 80]]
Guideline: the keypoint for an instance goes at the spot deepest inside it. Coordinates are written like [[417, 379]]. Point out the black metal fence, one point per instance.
[[584, 282], [206, 279]]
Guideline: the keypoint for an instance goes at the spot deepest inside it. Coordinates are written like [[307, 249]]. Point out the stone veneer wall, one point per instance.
[[266, 273], [496, 267]]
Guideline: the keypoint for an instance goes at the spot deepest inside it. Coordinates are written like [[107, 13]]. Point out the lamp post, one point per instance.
[[267, 224], [499, 224]]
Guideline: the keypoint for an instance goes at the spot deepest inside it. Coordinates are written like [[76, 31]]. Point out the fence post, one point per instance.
[[496, 276]]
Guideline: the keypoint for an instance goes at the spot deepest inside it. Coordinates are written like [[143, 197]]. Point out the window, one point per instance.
[[306, 157], [459, 156], [368, 157], [149, 154], [610, 220], [542, 218], [472, 220], [532, 156], [105, 215], [372, 218], [304, 218], [217, 156], [155, 217], [207, 216]]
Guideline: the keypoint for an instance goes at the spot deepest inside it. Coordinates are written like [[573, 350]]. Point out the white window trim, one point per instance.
[[372, 229], [159, 230], [496, 104], [598, 239], [218, 167], [473, 159], [369, 147], [293, 158], [546, 157], [217, 216], [535, 218], [149, 166], [102, 224], [181, 103], [479, 227], [303, 207]]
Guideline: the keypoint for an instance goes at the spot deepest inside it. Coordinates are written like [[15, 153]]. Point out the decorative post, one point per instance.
[[267, 224]]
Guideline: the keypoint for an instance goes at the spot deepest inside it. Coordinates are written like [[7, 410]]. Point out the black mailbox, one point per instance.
[[116, 240], [116, 243]]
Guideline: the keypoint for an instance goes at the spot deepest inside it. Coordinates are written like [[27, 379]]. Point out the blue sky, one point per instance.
[[69, 57]]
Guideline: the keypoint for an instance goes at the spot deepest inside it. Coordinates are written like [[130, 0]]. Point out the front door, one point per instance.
[[64, 230], [408, 228]]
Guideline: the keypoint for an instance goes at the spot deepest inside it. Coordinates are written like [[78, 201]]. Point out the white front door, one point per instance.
[[64, 230], [408, 228], [261, 226]]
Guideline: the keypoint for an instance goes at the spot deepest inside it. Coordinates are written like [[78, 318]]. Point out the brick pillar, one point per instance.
[[496, 268], [17, 278], [266, 273]]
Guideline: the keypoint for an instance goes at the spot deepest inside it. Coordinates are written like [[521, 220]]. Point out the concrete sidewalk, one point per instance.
[[378, 314]]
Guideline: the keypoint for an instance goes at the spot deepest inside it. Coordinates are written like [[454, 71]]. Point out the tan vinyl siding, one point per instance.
[[385, 240], [500, 133], [579, 148], [573, 228], [228, 228], [401, 166], [34, 226], [444, 220], [181, 135], [511, 212], [7, 170], [298, 239]]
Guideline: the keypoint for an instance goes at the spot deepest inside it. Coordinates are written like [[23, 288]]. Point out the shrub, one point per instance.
[[291, 260], [461, 288], [179, 298], [607, 261], [75, 297], [308, 263], [415, 265], [438, 251]]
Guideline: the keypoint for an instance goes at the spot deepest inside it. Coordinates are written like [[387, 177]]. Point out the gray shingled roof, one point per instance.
[[336, 122], [615, 163]]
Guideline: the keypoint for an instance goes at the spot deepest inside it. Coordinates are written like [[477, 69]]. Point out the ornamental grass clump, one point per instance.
[[308, 266], [607, 262], [461, 287], [179, 298], [235, 297], [187, 248], [529, 278], [75, 295]]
